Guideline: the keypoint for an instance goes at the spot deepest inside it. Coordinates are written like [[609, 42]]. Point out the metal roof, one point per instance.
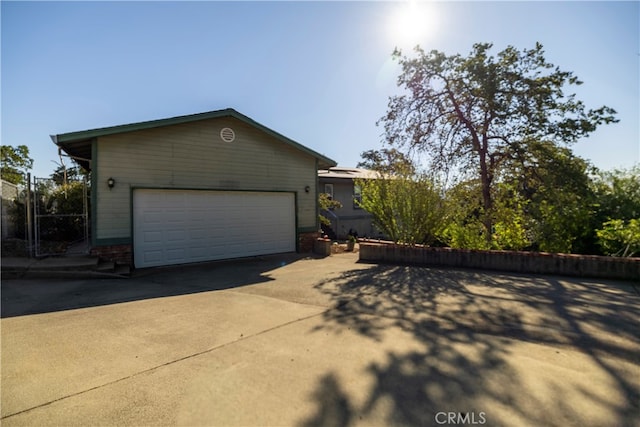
[[78, 144], [347, 173]]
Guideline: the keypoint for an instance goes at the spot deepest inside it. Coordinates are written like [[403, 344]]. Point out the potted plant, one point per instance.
[[351, 242]]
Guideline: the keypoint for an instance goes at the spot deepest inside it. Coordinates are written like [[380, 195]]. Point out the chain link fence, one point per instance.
[[61, 220]]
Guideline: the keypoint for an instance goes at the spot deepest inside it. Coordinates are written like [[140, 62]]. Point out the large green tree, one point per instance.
[[618, 193], [15, 163], [557, 188], [617, 219], [464, 213], [388, 161], [472, 115]]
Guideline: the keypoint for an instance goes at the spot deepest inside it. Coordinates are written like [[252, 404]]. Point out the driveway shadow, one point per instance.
[[469, 322], [32, 296]]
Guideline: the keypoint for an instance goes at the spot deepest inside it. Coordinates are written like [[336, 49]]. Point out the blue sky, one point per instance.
[[318, 72]]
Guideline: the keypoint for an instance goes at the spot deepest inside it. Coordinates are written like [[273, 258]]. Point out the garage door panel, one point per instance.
[[196, 234], [152, 236], [151, 217], [175, 227], [198, 216], [151, 256], [178, 254], [198, 251], [154, 200]]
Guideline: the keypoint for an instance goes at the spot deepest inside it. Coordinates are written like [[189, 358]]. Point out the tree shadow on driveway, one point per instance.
[[500, 349], [34, 296]]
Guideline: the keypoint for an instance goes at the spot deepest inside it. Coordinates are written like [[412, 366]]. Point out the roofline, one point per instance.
[[345, 172], [60, 139]]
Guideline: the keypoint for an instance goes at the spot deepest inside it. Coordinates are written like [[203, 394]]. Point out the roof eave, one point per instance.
[[88, 135]]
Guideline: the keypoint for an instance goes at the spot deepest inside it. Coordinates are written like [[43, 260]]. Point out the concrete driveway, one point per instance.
[[294, 341]]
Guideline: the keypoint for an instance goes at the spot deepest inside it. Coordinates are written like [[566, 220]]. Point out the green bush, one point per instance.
[[620, 238], [407, 209]]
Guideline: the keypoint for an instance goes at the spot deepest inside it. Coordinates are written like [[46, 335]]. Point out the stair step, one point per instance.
[[113, 267], [66, 263], [123, 270], [73, 267], [106, 267]]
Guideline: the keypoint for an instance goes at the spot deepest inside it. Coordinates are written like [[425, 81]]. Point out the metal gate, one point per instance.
[[61, 219]]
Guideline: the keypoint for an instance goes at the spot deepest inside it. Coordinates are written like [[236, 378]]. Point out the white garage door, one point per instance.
[[177, 227]]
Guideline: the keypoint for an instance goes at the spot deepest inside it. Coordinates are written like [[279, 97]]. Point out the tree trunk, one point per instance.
[[482, 146], [487, 203]]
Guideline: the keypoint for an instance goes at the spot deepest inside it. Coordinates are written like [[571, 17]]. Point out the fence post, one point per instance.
[[29, 218], [85, 208]]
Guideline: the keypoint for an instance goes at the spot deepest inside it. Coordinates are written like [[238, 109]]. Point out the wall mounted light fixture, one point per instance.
[[111, 182], [307, 189]]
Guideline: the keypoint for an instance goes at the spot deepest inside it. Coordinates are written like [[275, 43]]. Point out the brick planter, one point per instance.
[[520, 262], [322, 247], [306, 241]]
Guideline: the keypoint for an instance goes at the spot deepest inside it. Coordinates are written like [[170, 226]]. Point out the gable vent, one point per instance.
[[227, 135]]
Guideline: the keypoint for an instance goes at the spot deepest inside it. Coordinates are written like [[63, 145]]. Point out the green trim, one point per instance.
[[145, 187], [295, 207], [94, 191], [131, 230], [65, 139], [113, 241], [355, 217], [317, 217], [307, 230]]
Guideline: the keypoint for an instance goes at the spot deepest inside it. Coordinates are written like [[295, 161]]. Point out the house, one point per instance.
[[193, 188], [339, 183]]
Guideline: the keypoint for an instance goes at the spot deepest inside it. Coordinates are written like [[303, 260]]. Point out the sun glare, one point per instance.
[[412, 23]]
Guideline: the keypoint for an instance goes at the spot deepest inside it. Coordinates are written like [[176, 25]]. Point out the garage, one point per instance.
[[199, 187], [185, 226]]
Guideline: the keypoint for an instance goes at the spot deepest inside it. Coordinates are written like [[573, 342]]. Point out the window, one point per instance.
[[328, 188], [357, 196]]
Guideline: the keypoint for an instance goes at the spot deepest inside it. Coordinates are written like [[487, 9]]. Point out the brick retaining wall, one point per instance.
[[520, 262], [122, 254]]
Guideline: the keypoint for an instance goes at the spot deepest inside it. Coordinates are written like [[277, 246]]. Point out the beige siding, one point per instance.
[[192, 155]]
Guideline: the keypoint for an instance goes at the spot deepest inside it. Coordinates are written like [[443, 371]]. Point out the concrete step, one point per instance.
[[76, 263], [113, 268], [122, 270], [62, 267], [106, 266]]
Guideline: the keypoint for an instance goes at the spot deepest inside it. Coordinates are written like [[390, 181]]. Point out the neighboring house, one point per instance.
[[201, 187], [8, 194], [339, 183]]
